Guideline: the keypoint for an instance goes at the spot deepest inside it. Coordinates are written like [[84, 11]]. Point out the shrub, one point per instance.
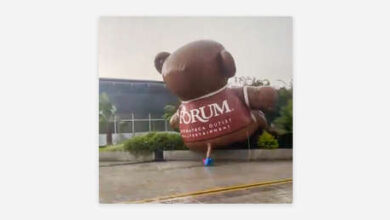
[[154, 141], [167, 141], [137, 145], [267, 141]]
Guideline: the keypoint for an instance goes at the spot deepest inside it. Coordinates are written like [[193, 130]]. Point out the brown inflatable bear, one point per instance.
[[212, 115]]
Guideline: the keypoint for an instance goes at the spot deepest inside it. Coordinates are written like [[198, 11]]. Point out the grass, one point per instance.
[[110, 148]]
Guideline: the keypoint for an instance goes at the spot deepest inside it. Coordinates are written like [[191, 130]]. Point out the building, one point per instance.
[[138, 97]]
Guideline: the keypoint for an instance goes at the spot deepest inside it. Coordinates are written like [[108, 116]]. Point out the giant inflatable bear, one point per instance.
[[211, 115]]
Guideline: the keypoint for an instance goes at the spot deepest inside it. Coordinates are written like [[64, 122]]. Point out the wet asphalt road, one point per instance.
[[121, 183], [278, 193]]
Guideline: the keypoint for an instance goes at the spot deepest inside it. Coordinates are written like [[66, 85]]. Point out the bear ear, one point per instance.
[[228, 65], [160, 59]]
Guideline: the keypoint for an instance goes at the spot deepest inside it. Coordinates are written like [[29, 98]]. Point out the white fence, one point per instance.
[[148, 120], [144, 125]]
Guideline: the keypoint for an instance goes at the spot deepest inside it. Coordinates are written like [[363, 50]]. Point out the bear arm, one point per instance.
[[259, 98], [263, 98]]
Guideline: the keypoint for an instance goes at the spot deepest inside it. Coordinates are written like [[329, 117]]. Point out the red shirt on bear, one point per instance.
[[213, 115]]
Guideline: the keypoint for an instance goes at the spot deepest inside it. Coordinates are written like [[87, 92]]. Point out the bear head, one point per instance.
[[196, 69]]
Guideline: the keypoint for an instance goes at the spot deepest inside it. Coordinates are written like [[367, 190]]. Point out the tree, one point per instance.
[[106, 113], [250, 81], [169, 111], [284, 123], [284, 96]]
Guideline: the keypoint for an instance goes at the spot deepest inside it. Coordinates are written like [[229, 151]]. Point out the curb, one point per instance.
[[180, 155]]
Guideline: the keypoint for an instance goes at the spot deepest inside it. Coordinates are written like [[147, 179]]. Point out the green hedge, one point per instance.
[[154, 141], [267, 141]]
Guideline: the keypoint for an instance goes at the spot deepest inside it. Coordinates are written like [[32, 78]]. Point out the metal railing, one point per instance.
[[149, 120]]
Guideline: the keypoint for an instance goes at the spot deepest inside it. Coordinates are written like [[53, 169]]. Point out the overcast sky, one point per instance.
[[261, 46]]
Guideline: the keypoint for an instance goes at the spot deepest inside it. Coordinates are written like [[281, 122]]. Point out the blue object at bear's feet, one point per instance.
[[208, 162]]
